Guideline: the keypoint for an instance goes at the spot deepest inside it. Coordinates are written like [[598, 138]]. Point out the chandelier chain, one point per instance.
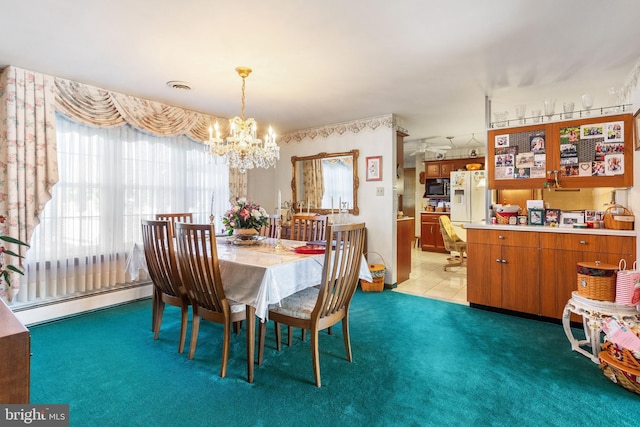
[[242, 115]]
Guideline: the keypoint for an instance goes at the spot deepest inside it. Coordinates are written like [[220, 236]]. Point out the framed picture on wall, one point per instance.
[[374, 168]]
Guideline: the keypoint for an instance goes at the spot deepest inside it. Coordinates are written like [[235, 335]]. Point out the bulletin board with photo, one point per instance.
[[520, 155], [595, 149]]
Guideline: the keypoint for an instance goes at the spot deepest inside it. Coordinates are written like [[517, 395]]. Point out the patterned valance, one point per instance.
[[355, 126], [99, 107]]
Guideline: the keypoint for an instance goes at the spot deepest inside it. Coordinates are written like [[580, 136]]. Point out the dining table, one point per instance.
[[264, 272]]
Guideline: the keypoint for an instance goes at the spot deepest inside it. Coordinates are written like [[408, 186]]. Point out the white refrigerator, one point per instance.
[[468, 196]]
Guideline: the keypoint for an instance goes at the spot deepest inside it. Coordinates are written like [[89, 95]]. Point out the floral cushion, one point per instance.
[[299, 305], [236, 307]]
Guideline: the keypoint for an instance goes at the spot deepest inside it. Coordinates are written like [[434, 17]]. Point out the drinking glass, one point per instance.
[[587, 103], [537, 115], [549, 107], [501, 118], [567, 107], [520, 112]]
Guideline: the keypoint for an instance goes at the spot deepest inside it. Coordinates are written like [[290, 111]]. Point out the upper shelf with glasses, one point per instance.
[[501, 119]]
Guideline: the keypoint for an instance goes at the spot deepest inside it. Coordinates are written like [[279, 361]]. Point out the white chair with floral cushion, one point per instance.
[[200, 271], [318, 308]]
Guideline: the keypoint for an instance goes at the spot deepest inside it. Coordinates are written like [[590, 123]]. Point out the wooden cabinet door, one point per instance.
[[520, 279], [484, 274], [430, 236], [432, 170], [559, 257], [446, 168]]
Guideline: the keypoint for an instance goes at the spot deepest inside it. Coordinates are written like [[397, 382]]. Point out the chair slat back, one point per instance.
[[271, 230], [308, 228], [175, 217], [199, 266], [341, 268], [157, 238]]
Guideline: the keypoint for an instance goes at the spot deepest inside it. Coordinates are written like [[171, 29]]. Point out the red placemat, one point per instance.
[[310, 249]]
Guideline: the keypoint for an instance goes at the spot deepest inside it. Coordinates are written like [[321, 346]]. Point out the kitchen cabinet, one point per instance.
[[502, 270], [576, 149], [534, 272], [430, 237], [432, 169], [560, 253], [443, 168], [405, 234], [15, 358]]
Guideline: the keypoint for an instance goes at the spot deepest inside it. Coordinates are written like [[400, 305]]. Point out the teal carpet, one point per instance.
[[417, 362]]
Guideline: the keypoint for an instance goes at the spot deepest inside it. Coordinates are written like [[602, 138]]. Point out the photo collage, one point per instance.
[[592, 150], [515, 161], [587, 150]]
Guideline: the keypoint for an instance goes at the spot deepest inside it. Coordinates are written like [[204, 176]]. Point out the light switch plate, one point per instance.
[[380, 191]]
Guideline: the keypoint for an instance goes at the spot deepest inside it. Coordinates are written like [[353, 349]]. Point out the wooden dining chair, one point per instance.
[[308, 228], [175, 217], [271, 230], [200, 270], [317, 308], [157, 237]]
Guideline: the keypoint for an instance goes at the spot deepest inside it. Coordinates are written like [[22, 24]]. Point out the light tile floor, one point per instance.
[[428, 278]]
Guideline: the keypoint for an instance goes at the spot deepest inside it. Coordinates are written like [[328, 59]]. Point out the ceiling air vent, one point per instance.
[[177, 84]]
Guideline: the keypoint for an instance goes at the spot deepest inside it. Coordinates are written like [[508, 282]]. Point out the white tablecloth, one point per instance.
[[260, 276]]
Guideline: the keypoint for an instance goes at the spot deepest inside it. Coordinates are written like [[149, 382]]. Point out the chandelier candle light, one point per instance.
[[241, 149]]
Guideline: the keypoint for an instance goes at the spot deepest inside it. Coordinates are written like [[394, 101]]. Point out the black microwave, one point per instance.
[[436, 187]]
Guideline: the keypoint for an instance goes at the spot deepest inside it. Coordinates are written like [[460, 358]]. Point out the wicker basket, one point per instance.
[[377, 273], [620, 374], [503, 217], [597, 281], [622, 355], [618, 218]]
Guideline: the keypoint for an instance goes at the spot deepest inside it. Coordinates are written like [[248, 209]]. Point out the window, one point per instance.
[[110, 179]]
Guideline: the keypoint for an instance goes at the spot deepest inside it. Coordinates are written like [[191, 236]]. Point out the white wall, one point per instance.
[[374, 136]]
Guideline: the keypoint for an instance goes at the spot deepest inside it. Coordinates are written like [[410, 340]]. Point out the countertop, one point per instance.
[[547, 229], [404, 218]]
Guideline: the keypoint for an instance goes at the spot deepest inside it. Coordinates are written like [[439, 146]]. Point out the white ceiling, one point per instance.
[[430, 62]]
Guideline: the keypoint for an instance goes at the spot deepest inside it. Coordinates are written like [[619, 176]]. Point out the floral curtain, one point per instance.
[[98, 107], [27, 153], [28, 102], [237, 184], [312, 176]]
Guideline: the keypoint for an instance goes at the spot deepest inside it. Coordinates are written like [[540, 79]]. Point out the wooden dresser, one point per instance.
[[15, 358]]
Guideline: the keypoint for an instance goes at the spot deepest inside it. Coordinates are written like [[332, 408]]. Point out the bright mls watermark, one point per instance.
[[34, 415]]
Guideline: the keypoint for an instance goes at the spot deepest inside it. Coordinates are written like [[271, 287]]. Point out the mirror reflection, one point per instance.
[[325, 182]]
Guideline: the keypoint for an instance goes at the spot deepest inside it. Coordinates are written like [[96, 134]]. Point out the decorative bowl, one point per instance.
[[474, 166]]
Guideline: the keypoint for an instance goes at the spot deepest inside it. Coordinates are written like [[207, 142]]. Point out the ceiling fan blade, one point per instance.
[[440, 150]]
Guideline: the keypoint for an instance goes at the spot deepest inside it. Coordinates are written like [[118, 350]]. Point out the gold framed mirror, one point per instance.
[[321, 182]]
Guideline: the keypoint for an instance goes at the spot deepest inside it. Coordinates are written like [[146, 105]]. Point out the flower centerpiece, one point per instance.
[[7, 270], [245, 219]]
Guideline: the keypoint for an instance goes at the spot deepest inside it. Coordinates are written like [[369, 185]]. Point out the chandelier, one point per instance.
[[241, 149]]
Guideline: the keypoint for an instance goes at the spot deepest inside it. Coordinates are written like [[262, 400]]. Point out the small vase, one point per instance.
[[245, 233]]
